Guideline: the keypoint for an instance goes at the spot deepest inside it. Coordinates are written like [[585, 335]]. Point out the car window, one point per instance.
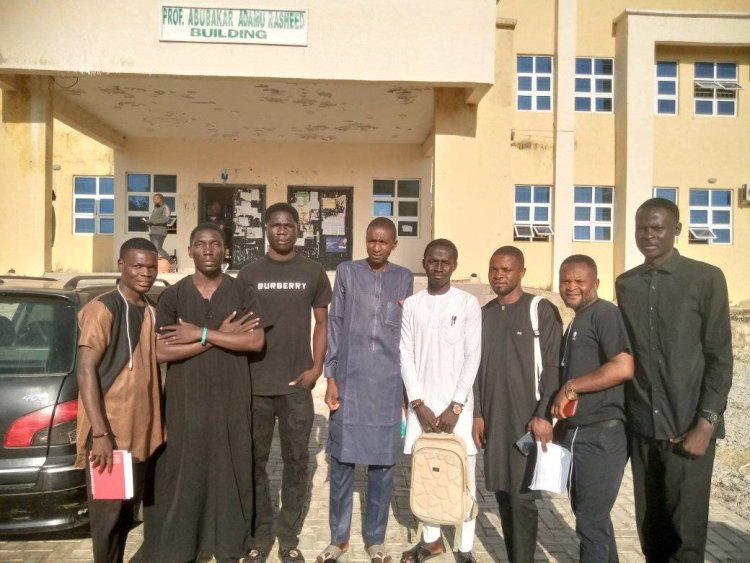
[[37, 335]]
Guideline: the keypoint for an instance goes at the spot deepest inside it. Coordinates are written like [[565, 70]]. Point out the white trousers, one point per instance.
[[431, 532]]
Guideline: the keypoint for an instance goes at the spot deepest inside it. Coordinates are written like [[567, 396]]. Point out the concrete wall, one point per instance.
[[276, 165]]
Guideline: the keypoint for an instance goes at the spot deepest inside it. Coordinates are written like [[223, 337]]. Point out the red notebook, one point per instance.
[[117, 485]]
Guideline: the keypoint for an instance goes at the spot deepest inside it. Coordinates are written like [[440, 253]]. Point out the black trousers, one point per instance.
[[110, 520], [599, 458], [295, 414], [671, 499]]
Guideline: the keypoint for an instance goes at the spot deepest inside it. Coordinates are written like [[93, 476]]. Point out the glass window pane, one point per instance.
[[666, 193], [698, 217], [85, 186], [408, 188], [725, 107], [581, 233], [603, 85], [667, 87], [603, 214], [165, 183], [541, 214], [603, 195], [583, 65], [544, 65], [138, 203], [726, 71], [603, 104], [667, 107], [84, 226], [721, 198], [543, 84], [582, 194], [107, 206], [541, 194], [582, 213], [703, 107], [603, 66], [722, 236], [543, 103], [666, 69], [139, 183], [704, 70], [524, 83], [583, 85], [698, 197], [408, 208], [107, 186], [720, 217], [106, 226], [525, 64], [384, 188], [171, 203], [85, 205], [136, 225], [523, 194], [382, 209], [602, 233], [523, 213], [583, 104], [524, 102]]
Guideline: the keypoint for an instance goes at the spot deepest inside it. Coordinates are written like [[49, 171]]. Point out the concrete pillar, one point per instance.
[[565, 60], [26, 128]]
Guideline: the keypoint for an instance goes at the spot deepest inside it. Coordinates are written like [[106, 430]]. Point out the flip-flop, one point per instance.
[[418, 554], [330, 554], [378, 554]]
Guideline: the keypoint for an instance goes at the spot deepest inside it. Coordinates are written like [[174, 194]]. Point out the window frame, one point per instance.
[[592, 223], [592, 95], [172, 225], [532, 223], [534, 75], [710, 225], [402, 222], [715, 85], [97, 215], [667, 97], [673, 188]]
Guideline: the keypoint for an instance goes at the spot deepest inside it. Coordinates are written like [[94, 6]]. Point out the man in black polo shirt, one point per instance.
[[596, 362], [676, 311]]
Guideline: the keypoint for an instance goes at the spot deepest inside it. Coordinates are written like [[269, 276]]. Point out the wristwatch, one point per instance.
[[570, 394], [457, 408], [710, 416]]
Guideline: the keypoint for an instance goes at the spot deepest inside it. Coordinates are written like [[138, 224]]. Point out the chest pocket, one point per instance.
[[450, 329], [393, 314]]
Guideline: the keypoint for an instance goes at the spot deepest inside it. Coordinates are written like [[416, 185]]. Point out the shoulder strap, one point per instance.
[[534, 313]]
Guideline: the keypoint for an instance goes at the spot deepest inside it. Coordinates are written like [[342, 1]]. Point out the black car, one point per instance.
[[40, 489]]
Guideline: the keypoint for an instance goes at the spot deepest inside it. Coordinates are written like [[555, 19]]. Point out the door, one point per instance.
[[325, 218]]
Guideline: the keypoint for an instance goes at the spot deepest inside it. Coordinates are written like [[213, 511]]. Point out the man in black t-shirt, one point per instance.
[[596, 362], [290, 287]]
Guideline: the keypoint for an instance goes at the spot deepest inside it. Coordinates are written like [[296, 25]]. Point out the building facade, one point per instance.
[[537, 123]]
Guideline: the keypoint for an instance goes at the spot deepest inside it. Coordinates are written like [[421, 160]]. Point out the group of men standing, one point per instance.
[[649, 380]]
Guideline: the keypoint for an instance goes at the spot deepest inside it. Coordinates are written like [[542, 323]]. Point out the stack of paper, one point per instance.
[[552, 469]]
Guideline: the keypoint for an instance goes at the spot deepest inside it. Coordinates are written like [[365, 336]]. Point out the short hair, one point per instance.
[[383, 223], [511, 251], [661, 203], [161, 195], [137, 243], [206, 227], [443, 243], [581, 259], [282, 206]]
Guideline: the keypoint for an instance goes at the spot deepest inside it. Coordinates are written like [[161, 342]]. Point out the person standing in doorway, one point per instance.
[[119, 392], [441, 339], [596, 362], [676, 311], [513, 393], [157, 225], [292, 289], [365, 392]]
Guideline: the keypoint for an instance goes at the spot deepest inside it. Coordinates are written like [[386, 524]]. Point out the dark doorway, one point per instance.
[[325, 215]]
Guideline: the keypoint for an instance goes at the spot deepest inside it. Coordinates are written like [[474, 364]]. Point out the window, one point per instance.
[[93, 205], [534, 83], [710, 216], [141, 188], [532, 213], [715, 89], [398, 200], [666, 87], [594, 84], [666, 193], [592, 215]]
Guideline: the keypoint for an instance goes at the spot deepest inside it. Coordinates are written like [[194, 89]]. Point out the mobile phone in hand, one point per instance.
[[569, 410], [526, 443]]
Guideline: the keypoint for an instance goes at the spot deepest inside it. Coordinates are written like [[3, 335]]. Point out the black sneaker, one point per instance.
[[291, 555]]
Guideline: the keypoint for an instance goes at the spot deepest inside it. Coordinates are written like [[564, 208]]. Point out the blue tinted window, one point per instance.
[[720, 217], [583, 66], [106, 226], [698, 217], [107, 206], [524, 102], [603, 66], [603, 195], [582, 194], [721, 198], [582, 213], [523, 194], [107, 186], [603, 104], [722, 236], [698, 197], [725, 107], [666, 69], [603, 85], [85, 205], [667, 87], [543, 84], [583, 104], [726, 71], [137, 203], [583, 85], [602, 214], [525, 64], [704, 70], [541, 195], [165, 183], [602, 233], [666, 193], [544, 65], [541, 214], [703, 107], [84, 226], [581, 233], [85, 186], [139, 183], [524, 83], [543, 102], [668, 107], [382, 209], [523, 213]]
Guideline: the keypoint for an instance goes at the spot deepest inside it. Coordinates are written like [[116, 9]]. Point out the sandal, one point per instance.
[[257, 554], [291, 555], [378, 554], [418, 554], [330, 554]]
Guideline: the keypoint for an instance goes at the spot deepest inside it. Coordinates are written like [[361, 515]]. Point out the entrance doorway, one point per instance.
[[325, 217], [238, 210]]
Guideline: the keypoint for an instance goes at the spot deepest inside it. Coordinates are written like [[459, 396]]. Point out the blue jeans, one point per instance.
[[379, 490]]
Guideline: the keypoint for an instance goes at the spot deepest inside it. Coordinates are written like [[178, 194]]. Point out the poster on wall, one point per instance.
[[248, 240]]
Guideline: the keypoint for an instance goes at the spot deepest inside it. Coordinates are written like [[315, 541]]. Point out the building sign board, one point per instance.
[[234, 25]]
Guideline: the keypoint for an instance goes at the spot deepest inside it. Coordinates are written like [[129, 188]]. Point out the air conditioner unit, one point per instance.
[[745, 193]]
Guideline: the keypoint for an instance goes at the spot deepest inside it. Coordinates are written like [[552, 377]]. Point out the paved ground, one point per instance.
[[729, 533]]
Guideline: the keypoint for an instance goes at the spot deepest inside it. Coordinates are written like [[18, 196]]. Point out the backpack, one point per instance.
[[440, 487]]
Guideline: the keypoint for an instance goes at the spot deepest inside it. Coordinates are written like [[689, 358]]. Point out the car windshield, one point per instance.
[[37, 335]]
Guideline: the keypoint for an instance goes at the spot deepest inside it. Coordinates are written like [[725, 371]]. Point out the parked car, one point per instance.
[[40, 489]]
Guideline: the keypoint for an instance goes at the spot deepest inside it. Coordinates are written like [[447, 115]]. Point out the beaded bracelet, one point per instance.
[[203, 338]]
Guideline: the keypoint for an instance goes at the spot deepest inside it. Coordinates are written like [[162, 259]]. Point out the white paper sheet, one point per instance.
[[552, 469]]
